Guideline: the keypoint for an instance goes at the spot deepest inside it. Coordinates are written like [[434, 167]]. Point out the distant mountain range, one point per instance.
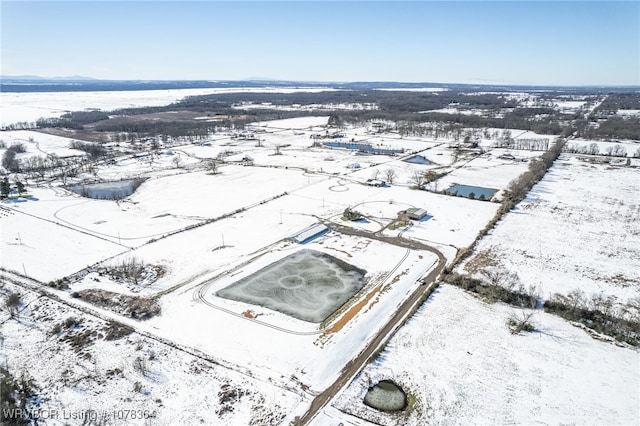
[[30, 83], [44, 79]]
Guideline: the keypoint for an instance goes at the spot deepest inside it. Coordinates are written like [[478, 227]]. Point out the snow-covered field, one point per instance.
[[30, 106], [205, 231], [45, 250], [577, 229], [87, 369], [39, 144], [462, 365]]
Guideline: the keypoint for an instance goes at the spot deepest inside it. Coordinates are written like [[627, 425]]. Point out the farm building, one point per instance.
[[376, 182], [309, 233], [416, 213]]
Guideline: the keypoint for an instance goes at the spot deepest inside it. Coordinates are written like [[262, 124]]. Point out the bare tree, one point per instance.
[[576, 299], [12, 303], [429, 176], [417, 180], [519, 323], [501, 278], [593, 149], [130, 268], [213, 166], [390, 175], [619, 151], [140, 365]]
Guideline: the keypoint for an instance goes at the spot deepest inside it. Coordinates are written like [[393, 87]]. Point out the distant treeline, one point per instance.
[[616, 101], [499, 110]]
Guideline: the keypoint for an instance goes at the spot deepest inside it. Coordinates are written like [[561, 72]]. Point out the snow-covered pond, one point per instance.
[[466, 190], [307, 285], [419, 159], [386, 396], [108, 190]]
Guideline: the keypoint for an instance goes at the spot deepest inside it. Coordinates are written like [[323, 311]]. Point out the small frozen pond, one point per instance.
[[307, 285], [465, 190], [108, 190], [419, 159], [363, 147], [386, 396]]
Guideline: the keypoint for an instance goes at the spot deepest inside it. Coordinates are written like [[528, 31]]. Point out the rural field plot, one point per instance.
[[93, 366], [40, 144], [168, 203], [157, 165], [48, 251], [577, 229], [206, 195], [462, 365], [101, 218], [278, 346], [316, 160], [28, 107], [21, 107], [404, 171], [453, 221], [299, 123], [200, 252], [486, 171]]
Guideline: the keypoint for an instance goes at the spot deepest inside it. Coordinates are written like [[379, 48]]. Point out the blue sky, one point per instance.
[[506, 42]]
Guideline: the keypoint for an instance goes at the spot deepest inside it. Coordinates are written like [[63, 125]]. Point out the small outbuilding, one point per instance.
[[416, 213], [310, 233], [376, 182]]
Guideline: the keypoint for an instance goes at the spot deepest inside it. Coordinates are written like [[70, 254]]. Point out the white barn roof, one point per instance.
[[309, 232]]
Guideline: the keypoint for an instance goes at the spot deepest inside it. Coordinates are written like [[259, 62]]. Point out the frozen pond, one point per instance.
[[386, 396], [108, 190], [419, 159], [307, 285], [466, 190], [363, 147]]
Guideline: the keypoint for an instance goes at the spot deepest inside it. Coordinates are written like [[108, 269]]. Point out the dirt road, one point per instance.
[[353, 367]]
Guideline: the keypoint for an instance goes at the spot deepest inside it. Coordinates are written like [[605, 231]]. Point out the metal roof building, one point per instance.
[[310, 233], [416, 213]]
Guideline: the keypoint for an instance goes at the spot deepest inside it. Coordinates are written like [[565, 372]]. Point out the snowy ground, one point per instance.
[[87, 369], [45, 250], [205, 231], [577, 229], [632, 148], [463, 366], [28, 107], [39, 144]]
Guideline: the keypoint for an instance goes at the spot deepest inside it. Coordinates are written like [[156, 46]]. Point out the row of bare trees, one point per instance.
[[519, 187], [593, 148]]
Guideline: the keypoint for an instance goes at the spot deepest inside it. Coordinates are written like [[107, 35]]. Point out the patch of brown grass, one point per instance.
[[250, 314], [483, 259], [351, 313], [341, 251]]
